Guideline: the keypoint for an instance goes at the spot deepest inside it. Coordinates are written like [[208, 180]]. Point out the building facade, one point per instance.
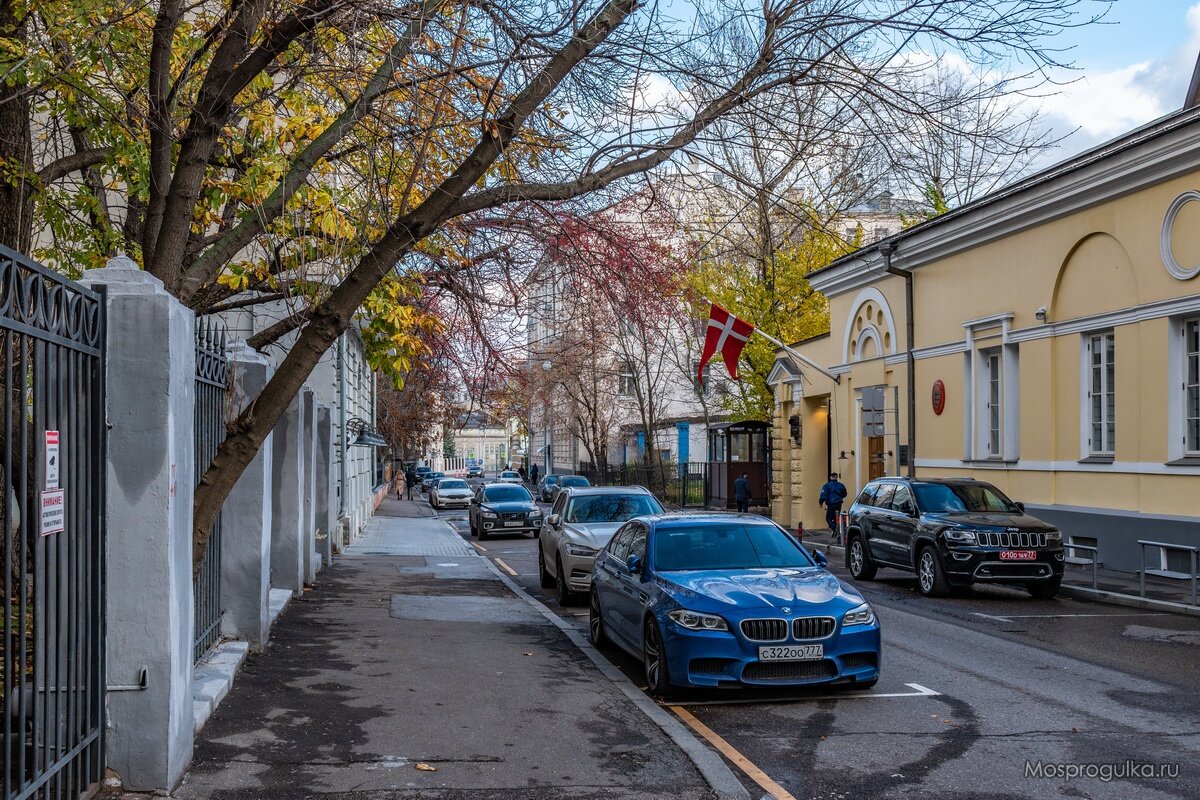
[[1055, 352]]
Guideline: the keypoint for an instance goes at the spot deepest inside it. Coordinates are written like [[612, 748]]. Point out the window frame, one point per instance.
[[1098, 408], [1190, 384]]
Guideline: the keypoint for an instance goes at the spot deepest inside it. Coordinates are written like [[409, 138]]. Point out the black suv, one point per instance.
[[951, 532]]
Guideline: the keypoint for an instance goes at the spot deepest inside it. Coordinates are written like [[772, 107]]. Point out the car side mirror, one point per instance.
[[634, 564], [553, 520], [1020, 507], [820, 558]]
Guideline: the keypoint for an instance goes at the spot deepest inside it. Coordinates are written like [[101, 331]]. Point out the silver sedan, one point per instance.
[[581, 522]]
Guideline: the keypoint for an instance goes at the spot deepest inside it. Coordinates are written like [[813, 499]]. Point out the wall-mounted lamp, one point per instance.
[[367, 436], [842, 457], [1040, 314], [794, 425]]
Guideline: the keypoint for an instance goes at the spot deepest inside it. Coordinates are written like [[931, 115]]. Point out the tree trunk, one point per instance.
[[16, 147]]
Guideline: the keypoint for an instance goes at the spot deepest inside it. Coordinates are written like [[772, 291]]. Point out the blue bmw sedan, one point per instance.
[[715, 600]]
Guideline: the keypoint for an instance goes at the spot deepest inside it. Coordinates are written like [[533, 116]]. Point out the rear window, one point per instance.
[[506, 493], [574, 480], [550, 479], [725, 546]]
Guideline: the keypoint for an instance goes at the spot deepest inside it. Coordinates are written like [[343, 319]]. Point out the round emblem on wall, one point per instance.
[[1164, 240], [939, 397]]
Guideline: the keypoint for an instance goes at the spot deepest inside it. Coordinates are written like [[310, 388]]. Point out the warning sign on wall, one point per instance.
[[52, 459], [54, 511]]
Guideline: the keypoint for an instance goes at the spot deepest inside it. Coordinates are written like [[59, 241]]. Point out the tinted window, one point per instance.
[[574, 480], [618, 548], [868, 495], [637, 543], [549, 479], [450, 483], [610, 507], [941, 498], [725, 545], [900, 498], [883, 495], [506, 493], [559, 502]]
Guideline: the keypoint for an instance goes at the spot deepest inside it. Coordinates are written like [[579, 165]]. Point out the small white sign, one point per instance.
[[54, 511], [52, 459]]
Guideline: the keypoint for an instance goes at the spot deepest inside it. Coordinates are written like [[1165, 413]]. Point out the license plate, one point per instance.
[[1018, 555], [516, 523], [802, 652]]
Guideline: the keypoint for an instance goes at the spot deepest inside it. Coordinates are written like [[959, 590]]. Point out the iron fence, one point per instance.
[[680, 485], [52, 500], [212, 376]]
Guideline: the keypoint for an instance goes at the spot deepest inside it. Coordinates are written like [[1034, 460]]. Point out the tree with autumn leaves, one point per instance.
[[318, 150]]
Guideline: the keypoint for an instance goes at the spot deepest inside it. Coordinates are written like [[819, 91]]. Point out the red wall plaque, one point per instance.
[[939, 397]]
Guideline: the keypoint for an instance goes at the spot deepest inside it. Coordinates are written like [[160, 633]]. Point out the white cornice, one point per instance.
[[1130, 167]]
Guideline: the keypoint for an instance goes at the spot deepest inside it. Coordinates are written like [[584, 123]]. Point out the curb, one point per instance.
[[1129, 601], [711, 766]]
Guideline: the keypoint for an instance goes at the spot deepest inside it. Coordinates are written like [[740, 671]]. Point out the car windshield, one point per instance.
[[506, 493], [611, 508], [726, 545], [574, 480], [433, 476], [451, 484], [948, 498]]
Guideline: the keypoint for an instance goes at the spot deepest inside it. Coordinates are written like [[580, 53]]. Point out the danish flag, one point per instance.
[[726, 334]]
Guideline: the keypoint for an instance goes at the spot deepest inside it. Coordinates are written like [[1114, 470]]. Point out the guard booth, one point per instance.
[[734, 448]]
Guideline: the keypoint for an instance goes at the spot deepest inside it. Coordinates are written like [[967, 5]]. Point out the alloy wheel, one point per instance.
[[595, 621], [652, 656], [856, 558], [926, 572]]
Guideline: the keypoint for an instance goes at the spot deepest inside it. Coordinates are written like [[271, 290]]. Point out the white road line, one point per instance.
[[990, 616], [1011, 617], [920, 691], [479, 547], [500, 563]]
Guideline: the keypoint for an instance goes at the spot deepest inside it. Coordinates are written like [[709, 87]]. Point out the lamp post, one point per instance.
[[547, 366]]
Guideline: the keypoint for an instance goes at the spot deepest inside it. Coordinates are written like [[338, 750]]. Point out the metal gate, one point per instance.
[[212, 375], [52, 499]]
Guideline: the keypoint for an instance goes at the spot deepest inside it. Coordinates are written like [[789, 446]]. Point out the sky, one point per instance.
[[1131, 69]]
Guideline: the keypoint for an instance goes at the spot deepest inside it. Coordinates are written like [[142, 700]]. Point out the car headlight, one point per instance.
[[859, 615], [537, 512], [696, 621], [490, 515], [1054, 537], [581, 550], [959, 536]]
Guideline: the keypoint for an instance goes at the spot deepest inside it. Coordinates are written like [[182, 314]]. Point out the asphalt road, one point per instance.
[[986, 694]]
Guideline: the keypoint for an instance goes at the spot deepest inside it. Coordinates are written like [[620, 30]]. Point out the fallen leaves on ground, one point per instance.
[[421, 765]]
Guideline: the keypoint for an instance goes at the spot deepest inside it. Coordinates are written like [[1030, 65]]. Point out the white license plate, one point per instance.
[[1018, 555], [516, 523], [800, 652]]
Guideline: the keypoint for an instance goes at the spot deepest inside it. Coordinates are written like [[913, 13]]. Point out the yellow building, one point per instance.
[[1056, 352]]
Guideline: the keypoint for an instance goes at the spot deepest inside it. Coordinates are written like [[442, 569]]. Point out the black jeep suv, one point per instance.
[[951, 532]]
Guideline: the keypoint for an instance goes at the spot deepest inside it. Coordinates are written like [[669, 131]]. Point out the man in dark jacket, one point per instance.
[[533, 473], [833, 493], [410, 480], [741, 493]]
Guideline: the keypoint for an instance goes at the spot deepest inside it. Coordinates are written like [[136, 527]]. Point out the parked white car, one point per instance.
[[450, 493]]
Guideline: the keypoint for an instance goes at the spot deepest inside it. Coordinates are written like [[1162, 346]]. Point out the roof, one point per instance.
[[676, 518], [588, 491], [1128, 141]]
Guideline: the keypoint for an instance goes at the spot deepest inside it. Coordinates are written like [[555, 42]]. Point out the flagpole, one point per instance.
[[802, 359]]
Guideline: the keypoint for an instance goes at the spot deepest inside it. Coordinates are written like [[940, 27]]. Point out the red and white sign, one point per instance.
[[1018, 555], [54, 511], [726, 335], [52, 459], [939, 397]]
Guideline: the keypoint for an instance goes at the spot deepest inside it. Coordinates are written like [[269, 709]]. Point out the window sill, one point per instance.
[[983, 462], [1186, 461], [1096, 460]]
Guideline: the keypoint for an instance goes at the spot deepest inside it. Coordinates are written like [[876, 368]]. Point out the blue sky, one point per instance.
[[1131, 70]]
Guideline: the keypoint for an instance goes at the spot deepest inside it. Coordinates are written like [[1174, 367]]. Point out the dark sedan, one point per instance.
[[503, 508]]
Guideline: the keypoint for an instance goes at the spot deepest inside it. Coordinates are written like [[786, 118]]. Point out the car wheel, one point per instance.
[[859, 561], [1044, 590], [654, 661], [596, 633], [931, 578], [544, 576], [565, 596]]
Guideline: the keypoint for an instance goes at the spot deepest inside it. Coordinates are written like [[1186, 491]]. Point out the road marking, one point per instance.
[[918, 691], [479, 547], [505, 567], [1011, 617], [729, 751]]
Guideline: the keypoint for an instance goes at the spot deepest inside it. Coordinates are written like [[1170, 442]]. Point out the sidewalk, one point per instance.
[[1112, 586], [411, 670]]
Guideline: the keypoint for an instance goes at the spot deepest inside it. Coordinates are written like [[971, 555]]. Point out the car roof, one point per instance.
[[675, 518], [588, 491], [906, 479]]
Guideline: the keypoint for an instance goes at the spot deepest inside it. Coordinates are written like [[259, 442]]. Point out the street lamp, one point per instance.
[[367, 435]]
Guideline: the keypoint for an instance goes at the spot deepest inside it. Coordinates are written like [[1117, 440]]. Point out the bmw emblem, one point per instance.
[[786, 610]]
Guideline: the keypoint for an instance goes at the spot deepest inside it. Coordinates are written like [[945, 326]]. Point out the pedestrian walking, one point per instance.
[[410, 480], [741, 493], [523, 473], [533, 474], [833, 494], [399, 480]]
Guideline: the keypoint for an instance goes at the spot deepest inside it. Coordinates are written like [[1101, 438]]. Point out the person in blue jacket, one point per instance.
[[833, 494]]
